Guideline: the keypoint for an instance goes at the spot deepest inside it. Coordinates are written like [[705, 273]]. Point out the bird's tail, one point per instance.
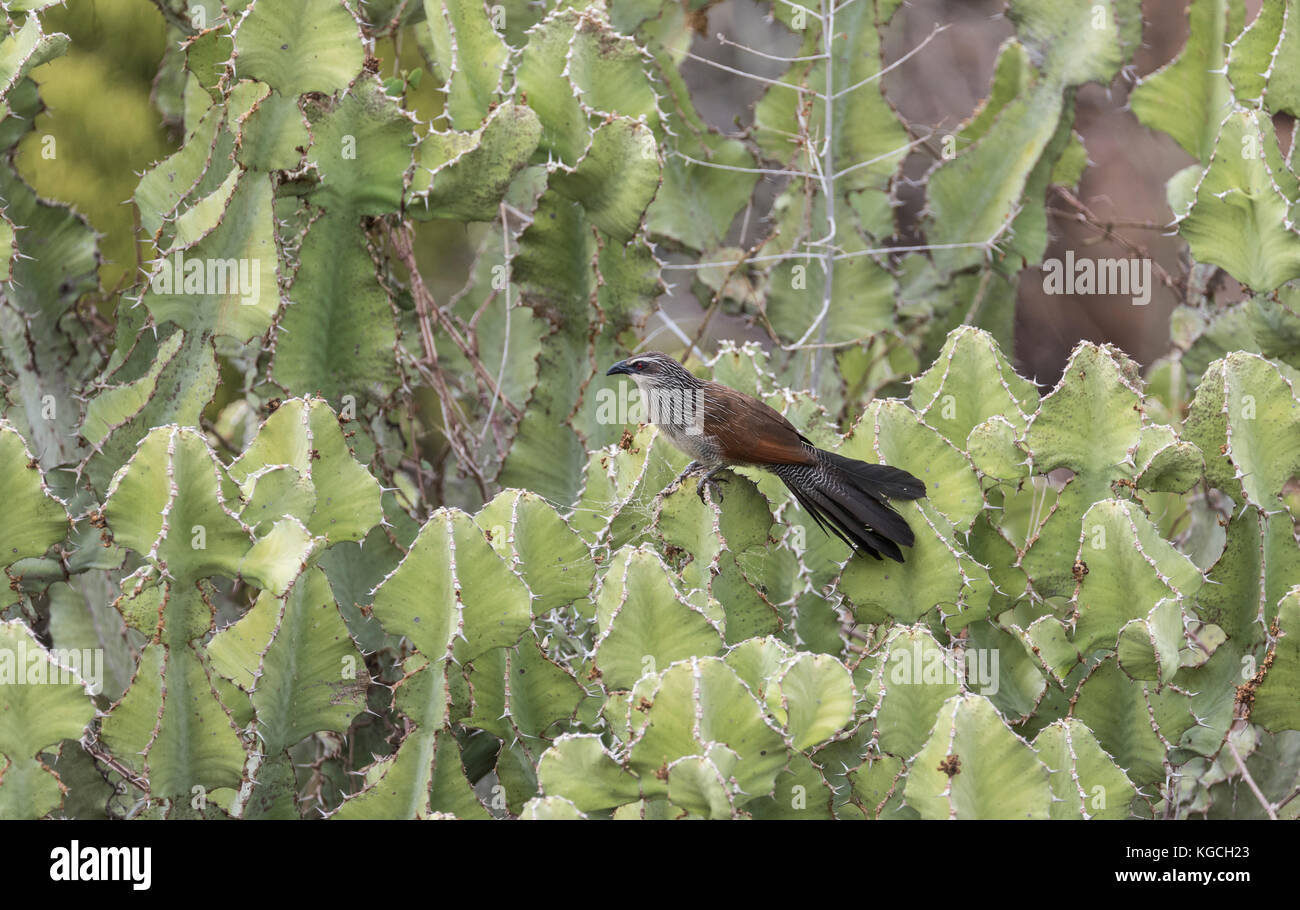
[[850, 499]]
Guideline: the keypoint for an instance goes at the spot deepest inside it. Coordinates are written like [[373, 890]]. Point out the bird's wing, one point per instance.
[[749, 432]]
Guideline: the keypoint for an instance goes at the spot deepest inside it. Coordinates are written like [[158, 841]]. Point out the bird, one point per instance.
[[719, 427]]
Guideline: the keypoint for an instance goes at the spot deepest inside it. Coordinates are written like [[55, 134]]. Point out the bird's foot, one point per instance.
[[708, 480], [687, 471]]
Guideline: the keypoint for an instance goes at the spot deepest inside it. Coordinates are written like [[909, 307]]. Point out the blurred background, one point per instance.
[[105, 139]]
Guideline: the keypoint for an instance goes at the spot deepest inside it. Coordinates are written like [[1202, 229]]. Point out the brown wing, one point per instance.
[[750, 432]]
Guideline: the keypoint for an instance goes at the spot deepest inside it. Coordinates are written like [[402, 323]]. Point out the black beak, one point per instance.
[[620, 367]]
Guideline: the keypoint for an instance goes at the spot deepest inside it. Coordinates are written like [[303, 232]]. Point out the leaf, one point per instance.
[[469, 56], [1085, 781], [644, 624], [815, 694], [1244, 418], [916, 677], [973, 766], [700, 707], [465, 175], [35, 519], [970, 382], [41, 702], [1240, 215], [337, 498], [616, 179], [553, 561], [451, 587], [294, 655], [1189, 97], [299, 46], [1275, 707]]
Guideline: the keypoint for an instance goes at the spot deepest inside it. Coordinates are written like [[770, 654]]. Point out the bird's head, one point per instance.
[[652, 369]]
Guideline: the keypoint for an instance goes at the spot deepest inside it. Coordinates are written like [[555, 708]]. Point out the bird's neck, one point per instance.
[[679, 406]]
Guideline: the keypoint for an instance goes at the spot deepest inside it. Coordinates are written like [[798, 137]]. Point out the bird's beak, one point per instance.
[[620, 367]]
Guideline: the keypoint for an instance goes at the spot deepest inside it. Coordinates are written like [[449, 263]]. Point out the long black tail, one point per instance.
[[850, 499]]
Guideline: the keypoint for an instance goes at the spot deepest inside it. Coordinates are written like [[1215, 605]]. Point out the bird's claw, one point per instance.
[[708, 480], [686, 472]]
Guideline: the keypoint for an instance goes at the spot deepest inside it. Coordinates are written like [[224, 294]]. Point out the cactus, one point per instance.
[[45, 364], [43, 703], [1119, 652], [973, 766], [354, 545]]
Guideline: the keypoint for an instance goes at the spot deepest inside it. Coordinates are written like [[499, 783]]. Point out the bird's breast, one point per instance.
[[694, 442]]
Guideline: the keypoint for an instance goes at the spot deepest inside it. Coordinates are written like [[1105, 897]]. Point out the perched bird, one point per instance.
[[719, 427]]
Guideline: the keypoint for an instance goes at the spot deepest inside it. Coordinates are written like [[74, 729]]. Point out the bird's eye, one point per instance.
[[639, 365]]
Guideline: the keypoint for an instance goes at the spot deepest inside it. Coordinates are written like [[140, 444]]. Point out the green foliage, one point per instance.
[[42, 703], [293, 514]]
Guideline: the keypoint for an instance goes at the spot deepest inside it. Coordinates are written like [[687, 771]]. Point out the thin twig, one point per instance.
[[226, 444], [717, 298], [1250, 781], [723, 39], [775, 257], [427, 312], [1086, 216], [1134, 223], [770, 171], [505, 344], [895, 64], [100, 755], [737, 72], [890, 154]]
